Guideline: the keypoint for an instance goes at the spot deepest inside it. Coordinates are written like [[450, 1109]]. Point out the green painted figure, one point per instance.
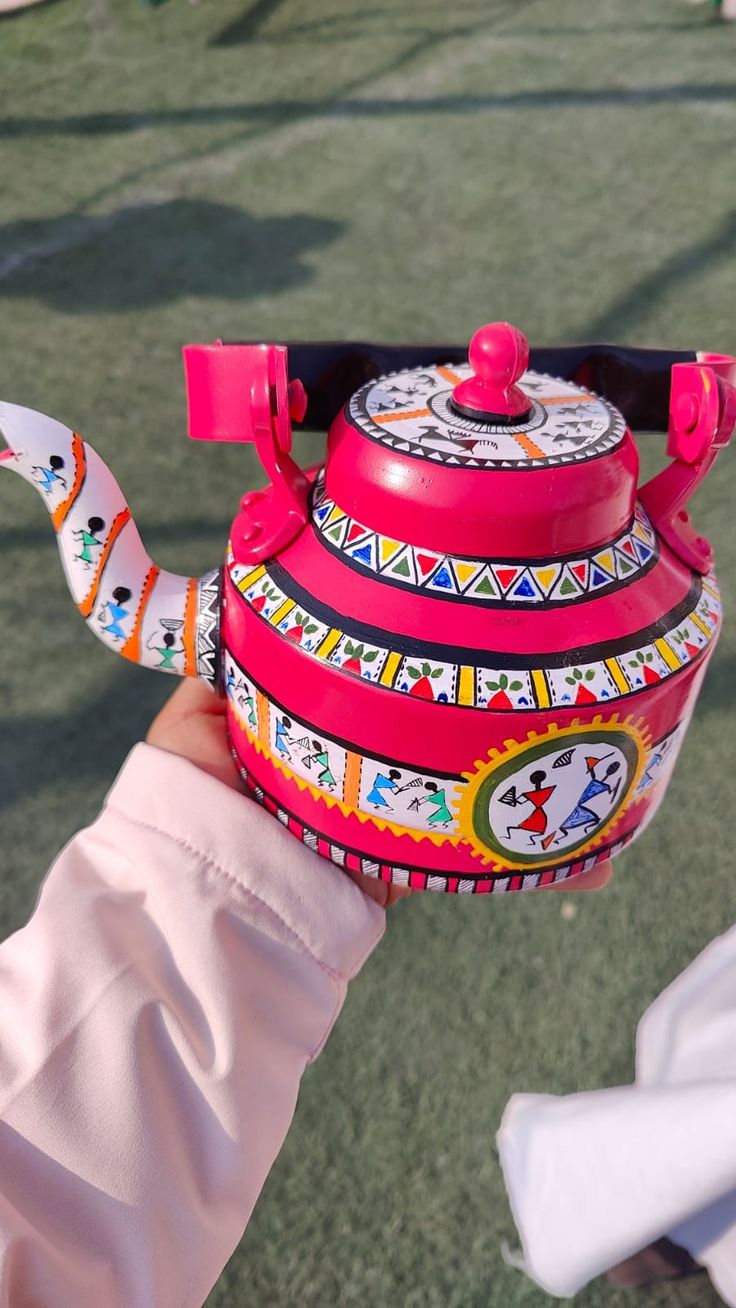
[[322, 758], [88, 540], [168, 651], [442, 814]]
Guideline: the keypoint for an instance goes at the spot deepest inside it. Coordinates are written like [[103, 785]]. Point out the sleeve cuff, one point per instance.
[[319, 903]]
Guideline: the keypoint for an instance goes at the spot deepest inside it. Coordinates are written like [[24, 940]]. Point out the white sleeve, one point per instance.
[[592, 1178], [185, 962]]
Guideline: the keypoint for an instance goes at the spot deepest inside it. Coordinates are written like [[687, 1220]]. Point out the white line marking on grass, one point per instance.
[[271, 145], [76, 232]]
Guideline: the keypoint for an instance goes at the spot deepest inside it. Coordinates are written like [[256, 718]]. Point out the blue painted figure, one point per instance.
[[382, 783], [581, 815], [48, 477], [116, 612], [283, 739]]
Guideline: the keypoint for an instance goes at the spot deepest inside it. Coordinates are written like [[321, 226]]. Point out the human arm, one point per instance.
[[185, 962]]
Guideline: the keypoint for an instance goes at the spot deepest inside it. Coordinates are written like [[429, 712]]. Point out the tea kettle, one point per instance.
[[460, 655]]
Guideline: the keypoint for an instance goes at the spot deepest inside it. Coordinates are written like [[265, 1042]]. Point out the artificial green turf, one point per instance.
[[393, 171]]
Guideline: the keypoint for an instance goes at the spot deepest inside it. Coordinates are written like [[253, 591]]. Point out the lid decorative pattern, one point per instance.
[[411, 412], [567, 681], [544, 582]]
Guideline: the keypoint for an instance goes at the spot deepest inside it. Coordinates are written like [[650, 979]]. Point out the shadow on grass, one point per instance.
[[242, 30], [151, 254], [360, 26], [355, 25], [627, 309], [279, 112], [48, 750]]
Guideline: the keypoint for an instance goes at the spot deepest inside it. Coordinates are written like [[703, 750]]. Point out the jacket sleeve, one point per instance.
[[186, 960], [594, 1177]]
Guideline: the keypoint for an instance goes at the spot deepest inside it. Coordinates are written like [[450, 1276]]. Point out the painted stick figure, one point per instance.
[[88, 539], [322, 759], [113, 610], [246, 702], [650, 770], [283, 739], [442, 814], [48, 477], [381, 783], [535, 824], [582, 815], [168, 651]]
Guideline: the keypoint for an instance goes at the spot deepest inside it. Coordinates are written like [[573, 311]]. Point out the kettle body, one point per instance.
[[463, 653]]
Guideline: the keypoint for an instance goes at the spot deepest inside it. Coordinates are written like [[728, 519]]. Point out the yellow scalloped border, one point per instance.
[[464, 804], [331, 801]]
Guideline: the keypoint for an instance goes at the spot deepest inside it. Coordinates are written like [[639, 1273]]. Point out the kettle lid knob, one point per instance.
[[498, 355]]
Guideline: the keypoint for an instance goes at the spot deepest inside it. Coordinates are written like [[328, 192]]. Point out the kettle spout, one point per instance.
[[150, 616]]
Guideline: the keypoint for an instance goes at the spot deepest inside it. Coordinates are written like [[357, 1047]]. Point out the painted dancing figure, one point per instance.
[[283, 739], [650, 770], [537, 821], [168, 651], [442, 814], [247, 702], [115, 612], [582, 815], [381, 783], [48, 477], [322, 759], [88, 540]]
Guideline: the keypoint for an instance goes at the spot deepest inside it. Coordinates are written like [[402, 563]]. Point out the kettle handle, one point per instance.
[[243, 393], [702, 420]]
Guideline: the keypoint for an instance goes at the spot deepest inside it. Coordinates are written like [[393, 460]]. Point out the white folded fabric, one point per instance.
[[594, 1177]]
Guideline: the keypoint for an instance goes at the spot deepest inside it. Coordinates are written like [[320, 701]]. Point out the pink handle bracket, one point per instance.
[[702, 422], [243, 393]]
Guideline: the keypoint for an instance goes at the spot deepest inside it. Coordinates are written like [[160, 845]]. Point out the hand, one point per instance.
[[193, 723], [596, 879]]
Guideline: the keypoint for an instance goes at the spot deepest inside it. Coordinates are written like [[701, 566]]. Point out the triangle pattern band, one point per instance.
[[484, 586], [479, 579]]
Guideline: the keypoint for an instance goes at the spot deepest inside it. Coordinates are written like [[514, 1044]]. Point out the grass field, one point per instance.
[[400, 171]]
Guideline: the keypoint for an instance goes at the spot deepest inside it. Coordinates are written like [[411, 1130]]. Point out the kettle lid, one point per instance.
[[490, 413], [417, 448]]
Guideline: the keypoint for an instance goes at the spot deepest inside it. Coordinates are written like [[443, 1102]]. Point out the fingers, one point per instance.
[[191, 698], [381, 892], [598, 877]]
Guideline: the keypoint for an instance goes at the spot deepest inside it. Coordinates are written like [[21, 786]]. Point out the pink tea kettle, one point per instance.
[[460, 655]]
